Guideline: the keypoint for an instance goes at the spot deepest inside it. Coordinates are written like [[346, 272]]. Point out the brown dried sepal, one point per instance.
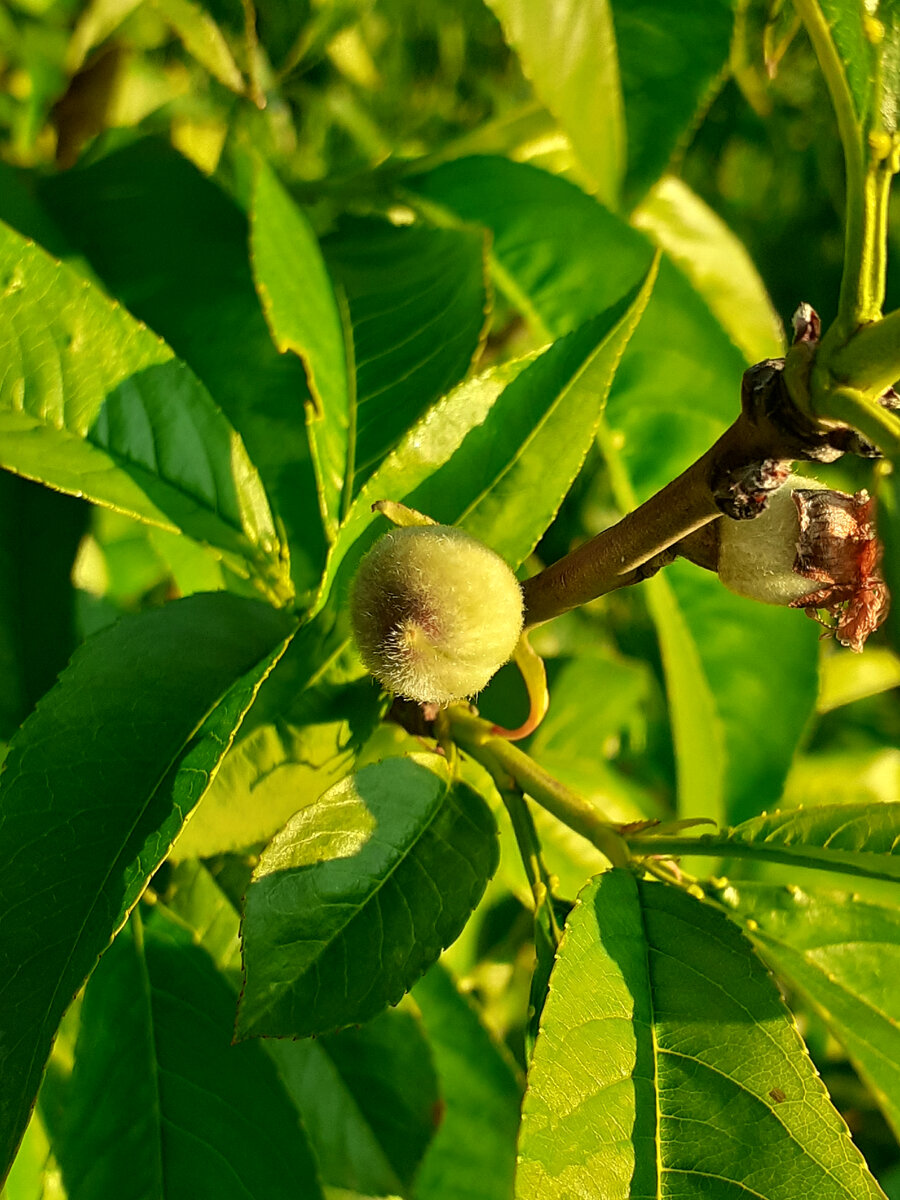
[[838, 548]]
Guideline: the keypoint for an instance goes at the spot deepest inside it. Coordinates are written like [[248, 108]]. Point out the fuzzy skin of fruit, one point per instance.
[[435, 613], [757, 558]]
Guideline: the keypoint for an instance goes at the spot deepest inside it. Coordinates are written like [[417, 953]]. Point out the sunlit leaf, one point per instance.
[[845, 678], [94, 404], [314, 712], [202, 39], [499, 453], [429, 445], [677, 387], [844, 776], [569, 53], [34, 1174], [853, 50], [667, 1064], [172, 247], [716, 263], [304, 315], [589, 65], [842, 954]]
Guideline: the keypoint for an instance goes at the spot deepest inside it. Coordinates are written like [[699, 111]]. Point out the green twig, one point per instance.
[[498, 755], [721, 847], [855, 281]]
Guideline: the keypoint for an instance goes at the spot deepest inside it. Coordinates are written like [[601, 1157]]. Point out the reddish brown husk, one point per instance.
[[838, 547]]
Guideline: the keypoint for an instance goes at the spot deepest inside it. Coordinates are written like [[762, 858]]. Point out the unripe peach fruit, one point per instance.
[[757, 558], [435, 613]]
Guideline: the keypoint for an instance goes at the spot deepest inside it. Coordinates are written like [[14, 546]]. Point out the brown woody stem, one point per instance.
[[649, 537]]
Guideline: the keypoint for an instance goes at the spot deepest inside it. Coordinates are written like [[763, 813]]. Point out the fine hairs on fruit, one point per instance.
[[435, 613], [757, 558]]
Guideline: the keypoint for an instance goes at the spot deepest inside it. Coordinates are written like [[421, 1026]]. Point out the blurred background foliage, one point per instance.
[[342, 96]]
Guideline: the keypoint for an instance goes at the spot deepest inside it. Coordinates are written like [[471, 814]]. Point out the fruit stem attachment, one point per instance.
[[534, 676], [499, 757]]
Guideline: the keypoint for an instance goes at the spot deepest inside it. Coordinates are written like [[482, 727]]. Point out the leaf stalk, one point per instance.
[[500, 758]]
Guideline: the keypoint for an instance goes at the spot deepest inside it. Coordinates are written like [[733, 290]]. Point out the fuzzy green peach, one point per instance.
[[435, 613]]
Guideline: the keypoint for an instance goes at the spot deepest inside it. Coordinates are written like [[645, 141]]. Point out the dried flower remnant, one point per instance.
[[838, 548]]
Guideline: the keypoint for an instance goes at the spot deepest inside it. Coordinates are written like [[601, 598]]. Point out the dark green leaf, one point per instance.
[[173, 248], [418, 306], [570, 57], [22, 210], [160, 1102], [40, 532], [472, 1156], [667, 1064], [304, 316], [498, 460], [369, 1100], [562, 257], [95, 788], [670, 72], [843, 955], [95, 404], [367, 1095], [855, 839], [358, 895]]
